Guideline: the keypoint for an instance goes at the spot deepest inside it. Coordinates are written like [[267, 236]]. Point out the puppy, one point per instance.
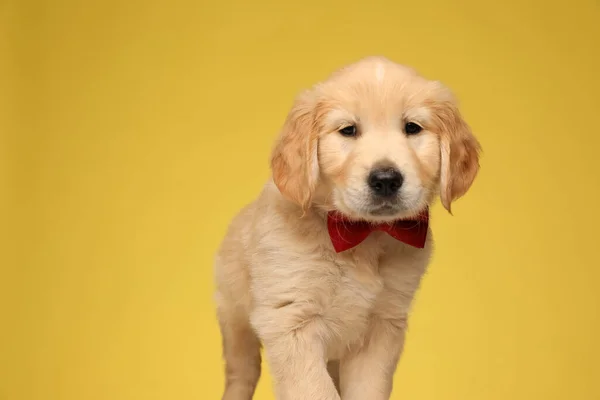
[[321, 269]]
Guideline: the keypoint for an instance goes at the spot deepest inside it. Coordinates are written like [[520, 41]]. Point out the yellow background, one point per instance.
[[132, 131]]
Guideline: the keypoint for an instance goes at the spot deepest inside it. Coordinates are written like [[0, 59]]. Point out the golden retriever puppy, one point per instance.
[[321, 269]]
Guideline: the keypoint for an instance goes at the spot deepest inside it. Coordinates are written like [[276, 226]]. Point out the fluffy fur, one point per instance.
[[333, 325]]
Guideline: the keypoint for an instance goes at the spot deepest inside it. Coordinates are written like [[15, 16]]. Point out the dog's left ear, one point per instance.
[[459, 149]]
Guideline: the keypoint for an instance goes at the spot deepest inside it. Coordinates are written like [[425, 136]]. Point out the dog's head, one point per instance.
[[375, 141]]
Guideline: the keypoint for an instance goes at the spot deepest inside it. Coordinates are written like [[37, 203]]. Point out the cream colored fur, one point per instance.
[[333, 325]]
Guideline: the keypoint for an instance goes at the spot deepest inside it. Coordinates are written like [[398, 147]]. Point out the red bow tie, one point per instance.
[[346, 233]]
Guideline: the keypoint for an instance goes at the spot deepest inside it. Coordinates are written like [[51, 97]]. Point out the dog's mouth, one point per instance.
[[385, 210], [393, 210], [374, 209], [382, 213]]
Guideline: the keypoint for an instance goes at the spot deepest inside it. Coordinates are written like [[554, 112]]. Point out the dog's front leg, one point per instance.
[[296, 358], [366, 372]]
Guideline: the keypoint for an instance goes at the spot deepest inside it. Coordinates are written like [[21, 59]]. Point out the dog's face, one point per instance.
[[376, 142]]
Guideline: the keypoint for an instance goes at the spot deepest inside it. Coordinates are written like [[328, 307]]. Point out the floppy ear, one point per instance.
[[459, 151], [294, 160]]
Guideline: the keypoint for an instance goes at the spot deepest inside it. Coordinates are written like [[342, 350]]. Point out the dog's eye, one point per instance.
[[348, 131], [412, 129]]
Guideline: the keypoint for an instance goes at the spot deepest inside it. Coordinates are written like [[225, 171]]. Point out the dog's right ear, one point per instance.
[[294, 160]]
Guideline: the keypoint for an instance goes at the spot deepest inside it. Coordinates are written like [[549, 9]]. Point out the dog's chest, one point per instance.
[[354, 295]]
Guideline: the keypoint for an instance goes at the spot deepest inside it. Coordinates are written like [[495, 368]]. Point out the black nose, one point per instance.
[[385, 182]]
